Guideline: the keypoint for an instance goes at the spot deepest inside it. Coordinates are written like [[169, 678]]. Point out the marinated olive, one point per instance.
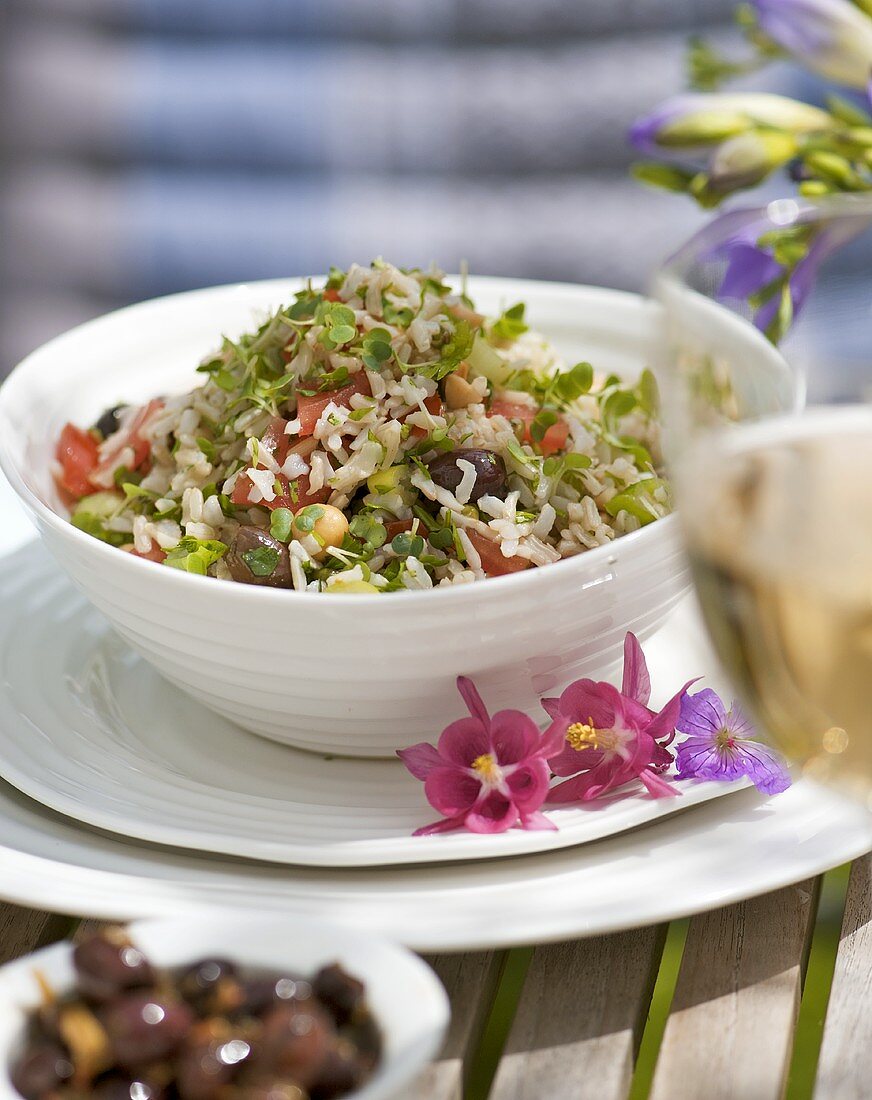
[[490, 472], [145, 1027], [295, 1041], [42, 1070], [107, 964], [122, 1087], [109, 420], [206, 1068], [342, 1071], [210, 985], [339, 992], [255, 557]]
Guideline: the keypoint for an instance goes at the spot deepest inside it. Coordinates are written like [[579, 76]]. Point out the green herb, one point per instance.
[[541, 422], [569, 385], [510, 325], [368, 530], [639, 500], [208, 448], [648, 393], [280, 524], [451, 353], [133, 492], [307, 517], [407, 545], [195, 555], [93, 525], [377, 348], [262, 562]]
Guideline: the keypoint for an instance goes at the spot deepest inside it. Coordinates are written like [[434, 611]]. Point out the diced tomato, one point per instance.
[[77, 455], [275, 441], [154, 554], [302, 497], [435, 407], [131, 437], [555, 436], [492, 560], [309, 409], [331, 295], [398, 526]]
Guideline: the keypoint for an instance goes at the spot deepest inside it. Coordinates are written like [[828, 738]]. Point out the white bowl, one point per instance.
[[405, 996], [353, 674]]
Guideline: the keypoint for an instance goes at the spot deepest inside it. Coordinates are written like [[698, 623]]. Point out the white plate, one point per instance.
[[91, 730], [405, 996], [729, 849]]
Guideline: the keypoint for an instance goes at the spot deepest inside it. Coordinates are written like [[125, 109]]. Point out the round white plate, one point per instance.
[[729, 849], [91, 730], [404, 994]]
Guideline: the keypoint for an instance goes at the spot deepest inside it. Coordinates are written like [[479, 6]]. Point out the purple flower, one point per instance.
[[830, 37], [719, 745], [487, 774]]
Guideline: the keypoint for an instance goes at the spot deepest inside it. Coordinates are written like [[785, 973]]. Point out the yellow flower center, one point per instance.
[[584, 735], [488, 769]]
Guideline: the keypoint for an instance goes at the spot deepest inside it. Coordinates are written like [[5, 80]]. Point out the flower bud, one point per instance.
[[830, 37], [748, 159]]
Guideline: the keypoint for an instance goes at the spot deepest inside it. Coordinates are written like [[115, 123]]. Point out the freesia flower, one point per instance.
[[613, 737], [720, 745], [488, 773], [689, 122], [830, 37]]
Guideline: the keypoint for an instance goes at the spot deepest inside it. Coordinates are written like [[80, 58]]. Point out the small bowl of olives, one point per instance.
[[215, 1007]]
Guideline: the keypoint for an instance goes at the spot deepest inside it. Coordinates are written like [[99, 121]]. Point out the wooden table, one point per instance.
[[578, 1013]]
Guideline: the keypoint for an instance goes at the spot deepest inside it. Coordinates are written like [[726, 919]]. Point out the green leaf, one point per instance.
[[280, 524], [510, 325], [93, 525], [262, 562], [452, 353], [208, 448], [307, 517], [648, 393], [569, 385], [195, 555], [638, 500], [406, 544], [665, 176], [541, 422], [369, 530], [617, 404]]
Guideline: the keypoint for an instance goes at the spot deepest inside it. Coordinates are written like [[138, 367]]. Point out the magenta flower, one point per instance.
[[487, 774], [719, 745], [613, 737]]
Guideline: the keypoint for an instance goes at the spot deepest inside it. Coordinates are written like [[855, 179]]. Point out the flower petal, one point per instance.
[[656, 786], [463, 741], [451, 790], [637, 680], [493, 814], [528, 785], [445, 825], [538, 821], [571, 761], [589, 700], [554, 737], [551, 706], [703, 714], [664, 722], [421, 759], [513, 736], [764, 768], [473, 700]]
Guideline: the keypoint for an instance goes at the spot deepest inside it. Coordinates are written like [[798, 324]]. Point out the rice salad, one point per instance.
[[378, 434]]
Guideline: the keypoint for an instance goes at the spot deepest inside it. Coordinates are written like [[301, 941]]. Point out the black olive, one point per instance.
[[343, 1070], [206, 1068], [297, 1036], [145, 1027], [209, 984], [41, 1070], [107, 964], [341, 993], [490, 472], [118, 1086], [255, 557], [108, 422]]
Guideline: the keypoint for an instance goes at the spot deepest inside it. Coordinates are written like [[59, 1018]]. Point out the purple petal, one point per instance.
[[637, 680], [764, 768], [421, 759], [645, 131], [749, 269], [473, 700], [802, 27], [451, 791], [738, 723], [463, 741], [701, 715]]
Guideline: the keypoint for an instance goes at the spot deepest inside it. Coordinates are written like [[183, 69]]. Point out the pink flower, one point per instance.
[[487, 773], [613, 737]]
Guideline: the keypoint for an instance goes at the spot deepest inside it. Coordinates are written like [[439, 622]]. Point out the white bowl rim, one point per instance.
[[497, 586], [395, 1067]]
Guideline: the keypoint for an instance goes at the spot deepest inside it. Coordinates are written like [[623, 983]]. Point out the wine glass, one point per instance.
[[767, 369]]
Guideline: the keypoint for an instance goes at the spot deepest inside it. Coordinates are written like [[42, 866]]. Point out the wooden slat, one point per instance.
[[730, 1031], [470, 981], [580, 1018], [845, 1066], [23, 930]]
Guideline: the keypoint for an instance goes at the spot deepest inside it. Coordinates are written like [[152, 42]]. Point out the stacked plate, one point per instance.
[[123, 797]]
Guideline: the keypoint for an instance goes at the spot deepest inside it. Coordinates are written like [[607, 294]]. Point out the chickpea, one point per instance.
[[459, 393], [321, 523]]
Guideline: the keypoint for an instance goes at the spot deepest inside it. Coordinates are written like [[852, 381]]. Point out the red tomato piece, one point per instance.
[[309, 409], [492, 560], [154, 554], [131, 437], [398, 526], [294, 500], [77, 453], [555, 436], [331, 295], [434, 406], [275, 441]]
